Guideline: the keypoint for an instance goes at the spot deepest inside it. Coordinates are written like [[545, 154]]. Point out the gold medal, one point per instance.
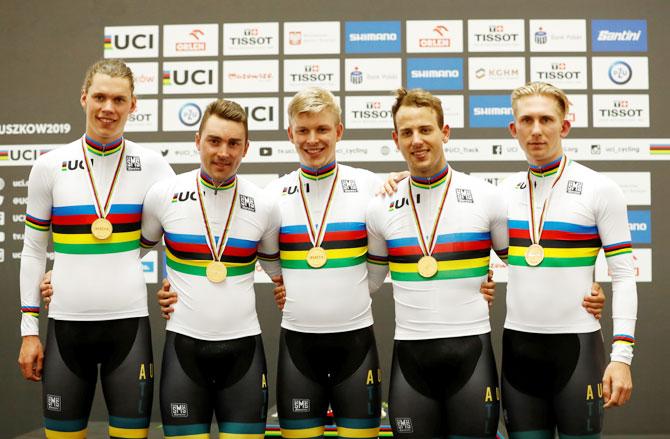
[[317, 257], [216, 272], [102, 229], [534, 255], [427, 266]]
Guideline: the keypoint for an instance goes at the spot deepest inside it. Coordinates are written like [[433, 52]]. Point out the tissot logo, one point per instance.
[[497, 36], [563, 72], [250, 38], [621, 110], [321, 72]]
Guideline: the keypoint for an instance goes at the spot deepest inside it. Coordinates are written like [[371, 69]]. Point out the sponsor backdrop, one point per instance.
[[607, 54]]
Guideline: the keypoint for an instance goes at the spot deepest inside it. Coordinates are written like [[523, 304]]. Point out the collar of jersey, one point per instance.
[[103, 149], [209, 182], [546, 170], [320, 173], [432, 181]]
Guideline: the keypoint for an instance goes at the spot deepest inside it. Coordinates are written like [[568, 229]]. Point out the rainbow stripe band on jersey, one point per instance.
[[71, 226], [191, 254], [103, 149], [431, 182], [318, 173], [545, 171], [31, 310], [459, 255], [38, 224], [209, 182], [619, 248], [345, 244], [565, 244]]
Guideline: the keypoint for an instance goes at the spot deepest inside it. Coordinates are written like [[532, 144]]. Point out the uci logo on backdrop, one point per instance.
[[131, 41]]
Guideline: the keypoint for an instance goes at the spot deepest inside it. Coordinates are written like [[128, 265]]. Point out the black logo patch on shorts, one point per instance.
[[247, 203], [464, 196], [404, 425], [179, 409], [133, 163], [349, 186], [300, 405], [575, 187], [53, 403]]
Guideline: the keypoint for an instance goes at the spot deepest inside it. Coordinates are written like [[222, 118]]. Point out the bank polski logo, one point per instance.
[[620, 72]]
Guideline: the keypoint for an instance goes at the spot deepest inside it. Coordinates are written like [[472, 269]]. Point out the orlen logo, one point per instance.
[[440, 38], [195, 43]]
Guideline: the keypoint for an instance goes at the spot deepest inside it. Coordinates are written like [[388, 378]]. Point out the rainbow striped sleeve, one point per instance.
[[41, 225], [623, 339], [147, 243], [502, 253], [619, 248], [31, 310], [268, 257]]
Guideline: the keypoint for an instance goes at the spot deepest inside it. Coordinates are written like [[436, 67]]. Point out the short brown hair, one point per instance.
[[115, 68], [417, 97], [314, 100], [541, 89], [227, 110]]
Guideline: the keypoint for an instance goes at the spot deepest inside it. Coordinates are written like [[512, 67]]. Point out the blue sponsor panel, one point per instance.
[[619, 35], [490, 111], [372, 37], [639, 223], [435, 73]]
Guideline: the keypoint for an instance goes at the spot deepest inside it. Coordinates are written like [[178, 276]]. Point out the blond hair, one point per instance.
[[227, 110], [417, 97], [314, 100], [114, 68], [541, 89]]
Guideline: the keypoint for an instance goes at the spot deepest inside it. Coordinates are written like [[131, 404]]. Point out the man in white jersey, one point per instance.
[[436, 234], [90, 194], [560, 214], [215, 225]]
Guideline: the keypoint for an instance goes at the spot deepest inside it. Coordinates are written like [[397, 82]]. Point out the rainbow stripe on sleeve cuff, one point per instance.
[[41, 225], [31, 310], [268, 257], [623, 339], [619, 248], [378, 260], [502, 253], [146, 243]]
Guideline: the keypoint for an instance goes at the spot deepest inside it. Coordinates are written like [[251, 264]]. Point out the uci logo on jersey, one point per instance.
[[397, 204], [184, 196], [72, 165]]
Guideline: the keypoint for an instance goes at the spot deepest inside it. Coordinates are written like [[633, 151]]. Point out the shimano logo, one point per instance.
[[436, 73], [492, 111], [378, 36]]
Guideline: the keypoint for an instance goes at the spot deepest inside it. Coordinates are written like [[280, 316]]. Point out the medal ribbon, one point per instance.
[[211, 243], [425, 249], [536, 233], [317, 237], [103, 211]]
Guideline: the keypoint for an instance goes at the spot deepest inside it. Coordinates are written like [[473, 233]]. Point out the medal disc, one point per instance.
[[102, 228], [216, 272], [427, 266], [316, 257], [534, 255]]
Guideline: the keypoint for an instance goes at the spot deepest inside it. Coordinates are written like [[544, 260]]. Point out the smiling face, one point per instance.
[[539, 127], [107, 103], [222, 144], [419, 138], [315, 135]]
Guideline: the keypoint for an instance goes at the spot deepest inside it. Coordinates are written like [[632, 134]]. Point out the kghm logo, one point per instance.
[[356, 76], [540, 36], [441, 40], [107, 42], [620, 72]]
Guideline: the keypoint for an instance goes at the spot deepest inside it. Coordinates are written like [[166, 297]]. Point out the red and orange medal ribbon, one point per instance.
[[102, 228], [427, 265], [216, 270], [317, 256], [535, 252]]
